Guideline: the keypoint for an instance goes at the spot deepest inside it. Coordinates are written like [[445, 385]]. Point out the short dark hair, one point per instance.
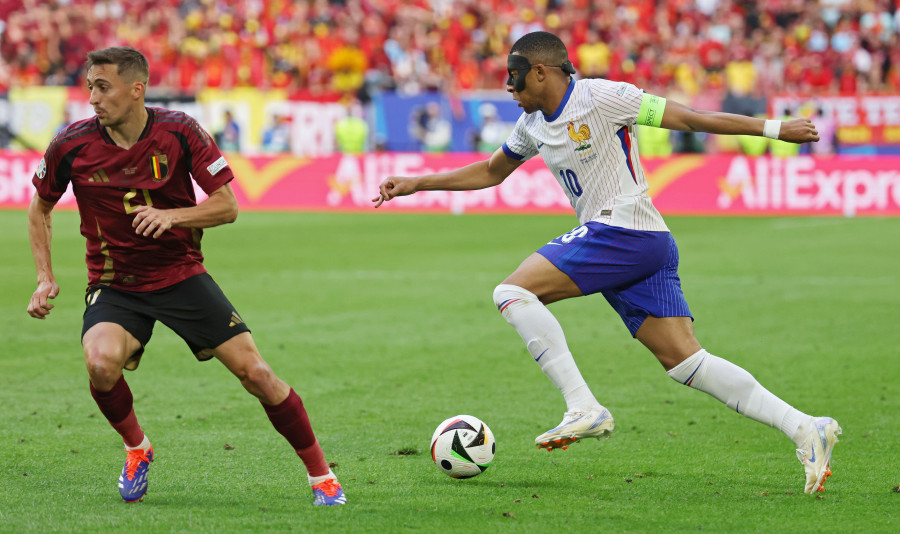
[[131, 63], [541, 47]]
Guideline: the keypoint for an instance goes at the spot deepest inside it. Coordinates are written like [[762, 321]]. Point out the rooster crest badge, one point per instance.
[[581, 136]]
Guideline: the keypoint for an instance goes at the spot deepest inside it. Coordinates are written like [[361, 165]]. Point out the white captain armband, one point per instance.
[[651, 112]]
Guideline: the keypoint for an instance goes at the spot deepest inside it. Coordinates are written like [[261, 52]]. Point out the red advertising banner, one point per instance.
[[687, 185], [859, 120], [802, 185]]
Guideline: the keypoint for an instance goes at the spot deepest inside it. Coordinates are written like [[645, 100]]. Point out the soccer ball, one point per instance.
[[462, 446]]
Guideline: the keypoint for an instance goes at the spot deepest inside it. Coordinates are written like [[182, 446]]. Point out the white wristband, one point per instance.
[[771, 129]]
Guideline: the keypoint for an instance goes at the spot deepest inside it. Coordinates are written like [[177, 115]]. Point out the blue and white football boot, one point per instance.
[[815, 454], [329, 493], [593, 423], [133, 480]]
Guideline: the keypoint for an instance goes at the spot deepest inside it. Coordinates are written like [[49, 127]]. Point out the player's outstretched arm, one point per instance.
[[40, 232], [480, 175], [679, 117], [220, 208]]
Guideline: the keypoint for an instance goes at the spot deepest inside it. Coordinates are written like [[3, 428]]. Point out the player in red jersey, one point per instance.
[[130, 168]]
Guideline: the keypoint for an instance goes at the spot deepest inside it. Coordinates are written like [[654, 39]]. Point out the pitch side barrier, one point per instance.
[[270, 121], [683, 185]]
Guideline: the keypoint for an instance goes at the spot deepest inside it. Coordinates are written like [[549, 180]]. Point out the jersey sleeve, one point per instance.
[[208, 166], [617, 102], [54, 172], [519, 145]]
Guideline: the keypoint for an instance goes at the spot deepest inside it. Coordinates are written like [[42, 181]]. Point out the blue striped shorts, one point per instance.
[[637, 271]]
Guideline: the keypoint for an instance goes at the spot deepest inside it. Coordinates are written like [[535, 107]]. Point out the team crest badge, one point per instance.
[[581, 136], [159, 165]]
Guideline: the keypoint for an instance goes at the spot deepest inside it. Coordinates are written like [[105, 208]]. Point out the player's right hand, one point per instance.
[[39, 307], [394, 186]]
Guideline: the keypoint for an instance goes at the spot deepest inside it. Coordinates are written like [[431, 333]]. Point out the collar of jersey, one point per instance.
[[565, 100], [144, 133]]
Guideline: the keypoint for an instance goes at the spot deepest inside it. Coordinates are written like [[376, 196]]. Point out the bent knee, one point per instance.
[[258, 374], [104, 364], [260, 381], [507, 294]]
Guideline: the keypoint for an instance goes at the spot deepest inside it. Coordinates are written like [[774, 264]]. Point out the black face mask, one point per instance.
[[522, 66]]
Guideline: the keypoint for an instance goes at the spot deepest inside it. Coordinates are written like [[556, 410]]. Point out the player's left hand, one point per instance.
[[394, 186], [798, 131], [151, 222]]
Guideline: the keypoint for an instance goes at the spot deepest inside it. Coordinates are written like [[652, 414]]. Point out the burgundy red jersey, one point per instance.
[[109, 183]]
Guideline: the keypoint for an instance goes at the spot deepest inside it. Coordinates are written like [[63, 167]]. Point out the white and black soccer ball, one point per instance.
[[463, 446]]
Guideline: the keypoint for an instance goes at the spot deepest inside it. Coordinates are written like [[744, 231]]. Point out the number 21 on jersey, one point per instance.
[[129, 196]]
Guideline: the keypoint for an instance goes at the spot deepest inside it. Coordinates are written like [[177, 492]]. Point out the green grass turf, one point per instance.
[[385, 326]]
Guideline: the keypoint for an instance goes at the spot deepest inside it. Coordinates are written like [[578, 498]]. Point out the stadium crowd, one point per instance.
[[701, 49]]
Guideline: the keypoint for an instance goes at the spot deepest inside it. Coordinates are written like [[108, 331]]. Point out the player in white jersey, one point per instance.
[[584, 130], [588, 144]]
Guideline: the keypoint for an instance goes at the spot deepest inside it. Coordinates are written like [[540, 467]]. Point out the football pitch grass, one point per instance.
[[385, 326]]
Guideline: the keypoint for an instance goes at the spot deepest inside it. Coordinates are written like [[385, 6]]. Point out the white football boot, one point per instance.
[[815, 455], [593, 423]]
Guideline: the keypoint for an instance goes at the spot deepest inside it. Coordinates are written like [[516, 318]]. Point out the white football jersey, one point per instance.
[[590, 146]]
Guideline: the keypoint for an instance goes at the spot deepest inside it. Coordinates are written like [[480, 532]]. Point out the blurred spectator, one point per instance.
[[783, 149], [593, 56], [754, 145], [351, 133], [654, 142], [689, 142], [66, 121], [827, 128], [818, 79], [348, 63], [331, 46], [430, 128], [6, 136], [493, 132], [277, 137], [229, 137]]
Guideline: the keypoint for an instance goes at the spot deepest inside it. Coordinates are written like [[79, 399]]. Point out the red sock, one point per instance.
[[314, 460], [291, 421], [117, 405], [131, 431]]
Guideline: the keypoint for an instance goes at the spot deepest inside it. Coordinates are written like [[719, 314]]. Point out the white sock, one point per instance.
[[144, 445], [544, 338], [739, 391], [318, 480]]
